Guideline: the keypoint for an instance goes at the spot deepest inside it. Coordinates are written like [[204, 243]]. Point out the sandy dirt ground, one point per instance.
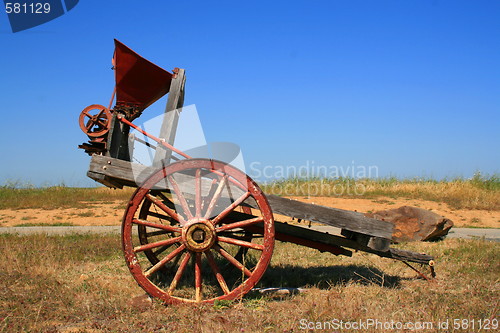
[[95, 214], [111, 213]]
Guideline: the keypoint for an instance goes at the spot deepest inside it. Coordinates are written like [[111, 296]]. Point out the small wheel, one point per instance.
[[95, 120], [187, 240]]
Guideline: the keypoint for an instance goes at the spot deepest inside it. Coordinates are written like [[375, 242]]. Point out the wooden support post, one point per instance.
[[171, 117]]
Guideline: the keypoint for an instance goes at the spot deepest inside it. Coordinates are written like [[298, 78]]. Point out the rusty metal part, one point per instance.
[[195, 237], [199, 235], [130, 112], [422, 275], [95, 120], [139, 82], [93, 147], [112, 98], [159, 141]]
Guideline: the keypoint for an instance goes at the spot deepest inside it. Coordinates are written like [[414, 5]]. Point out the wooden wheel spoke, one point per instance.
[[197, 201], [161, 250], [236, 236], [241, 243], [211, 192], [160, 216], [232, 260], [163, 196], [240, 224], [165, 227], [150, 246], [166, 209], [162, 262], [216, 270], [230, 208], [178, 274], [181, 197], [216, 196], [157, 233], [197, 277]]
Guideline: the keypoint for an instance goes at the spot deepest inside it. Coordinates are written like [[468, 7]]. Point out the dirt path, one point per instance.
[[110, 214]]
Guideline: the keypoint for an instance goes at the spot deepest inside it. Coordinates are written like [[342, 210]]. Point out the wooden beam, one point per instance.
[[335, 217], [171, 117], [311, 235], [403, 255], [103, 179], [121, 172]]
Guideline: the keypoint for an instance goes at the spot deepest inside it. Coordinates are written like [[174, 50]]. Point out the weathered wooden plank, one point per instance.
[[403, 255], [121, 172], [326, 238], [335, 217], [334, 240], [376, 243], [168, 128], [103, 179]]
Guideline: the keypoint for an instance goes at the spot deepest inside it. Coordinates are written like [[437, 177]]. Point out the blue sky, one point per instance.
[[412, 87]]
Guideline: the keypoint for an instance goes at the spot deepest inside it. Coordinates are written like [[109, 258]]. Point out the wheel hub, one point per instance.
[[199, 235]]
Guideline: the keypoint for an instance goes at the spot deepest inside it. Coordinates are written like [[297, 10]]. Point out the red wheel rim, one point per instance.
[[95, 125], [203, 227]]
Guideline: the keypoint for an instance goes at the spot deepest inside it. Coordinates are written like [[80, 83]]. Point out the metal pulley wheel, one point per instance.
[[95, 120]]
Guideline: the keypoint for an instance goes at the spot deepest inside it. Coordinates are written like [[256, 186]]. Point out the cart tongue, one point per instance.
[[139, 82]]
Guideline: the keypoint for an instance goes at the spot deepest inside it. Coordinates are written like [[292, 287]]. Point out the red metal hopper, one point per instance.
[[139, 82]]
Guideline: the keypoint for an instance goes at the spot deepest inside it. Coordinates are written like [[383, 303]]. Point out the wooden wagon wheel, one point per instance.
[[95, 120], [149, 235], [197, 238]]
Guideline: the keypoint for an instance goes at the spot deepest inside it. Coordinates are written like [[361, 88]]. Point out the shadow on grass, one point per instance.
[[324, 277]]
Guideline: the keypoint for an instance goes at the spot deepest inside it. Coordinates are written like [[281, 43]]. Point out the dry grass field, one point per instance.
[[80, 284]]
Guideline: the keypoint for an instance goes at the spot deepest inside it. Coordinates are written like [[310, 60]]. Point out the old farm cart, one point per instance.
[[197, 229]]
